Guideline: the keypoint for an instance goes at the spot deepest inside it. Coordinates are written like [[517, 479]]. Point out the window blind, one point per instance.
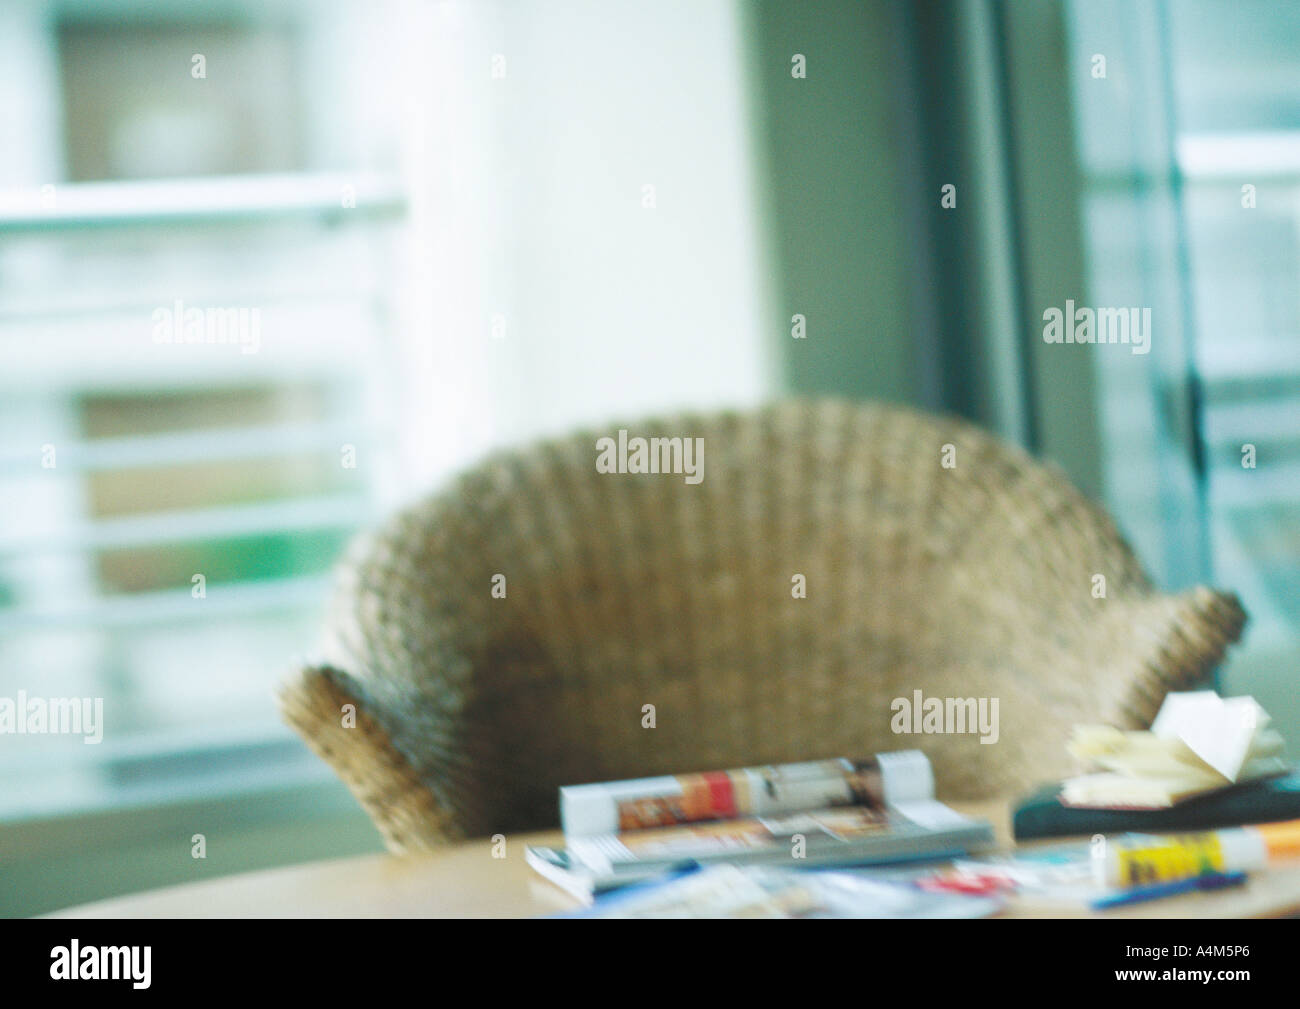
[[172, 507]]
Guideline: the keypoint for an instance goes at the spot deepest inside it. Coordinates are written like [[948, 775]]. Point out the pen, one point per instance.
[[1205, 881]]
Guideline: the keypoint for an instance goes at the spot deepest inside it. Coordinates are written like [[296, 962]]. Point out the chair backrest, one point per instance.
[[837, 567]]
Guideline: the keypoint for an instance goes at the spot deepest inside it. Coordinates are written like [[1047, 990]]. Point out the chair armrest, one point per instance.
[[362, 752], [1182, 638]]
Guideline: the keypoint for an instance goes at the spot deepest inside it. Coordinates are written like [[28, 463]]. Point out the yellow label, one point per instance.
[[1180, 858]]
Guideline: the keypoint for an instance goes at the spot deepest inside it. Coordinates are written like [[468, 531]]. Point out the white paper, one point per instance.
[[1219, 731]]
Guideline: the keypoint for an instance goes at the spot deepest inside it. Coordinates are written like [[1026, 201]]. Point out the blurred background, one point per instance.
[[432, 228]]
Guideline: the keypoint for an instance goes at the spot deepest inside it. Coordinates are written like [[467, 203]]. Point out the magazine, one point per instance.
[[799, 816]]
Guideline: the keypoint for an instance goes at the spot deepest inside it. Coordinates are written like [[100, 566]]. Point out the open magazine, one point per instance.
[[811, 815]]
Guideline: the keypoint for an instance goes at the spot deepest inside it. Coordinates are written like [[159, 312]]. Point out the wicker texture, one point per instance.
[[633, 589]]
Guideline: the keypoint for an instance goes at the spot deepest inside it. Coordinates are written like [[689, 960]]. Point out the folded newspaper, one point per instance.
[[809, 815]]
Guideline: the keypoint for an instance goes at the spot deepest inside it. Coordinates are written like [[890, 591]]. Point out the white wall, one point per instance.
[[529, 204]]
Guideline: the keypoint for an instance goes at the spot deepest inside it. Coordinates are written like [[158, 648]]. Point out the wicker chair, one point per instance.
[[935, 559]]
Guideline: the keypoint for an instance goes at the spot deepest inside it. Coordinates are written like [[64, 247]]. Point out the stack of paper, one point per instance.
[[1199, 743]]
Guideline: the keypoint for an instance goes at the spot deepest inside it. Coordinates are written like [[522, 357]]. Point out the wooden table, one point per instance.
[[467, 881]]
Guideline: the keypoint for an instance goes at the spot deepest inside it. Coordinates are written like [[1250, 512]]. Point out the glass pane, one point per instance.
[[1199, 114]]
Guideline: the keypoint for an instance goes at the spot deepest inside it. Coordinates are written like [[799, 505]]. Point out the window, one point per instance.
[[1190, 146], [197, 324]]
